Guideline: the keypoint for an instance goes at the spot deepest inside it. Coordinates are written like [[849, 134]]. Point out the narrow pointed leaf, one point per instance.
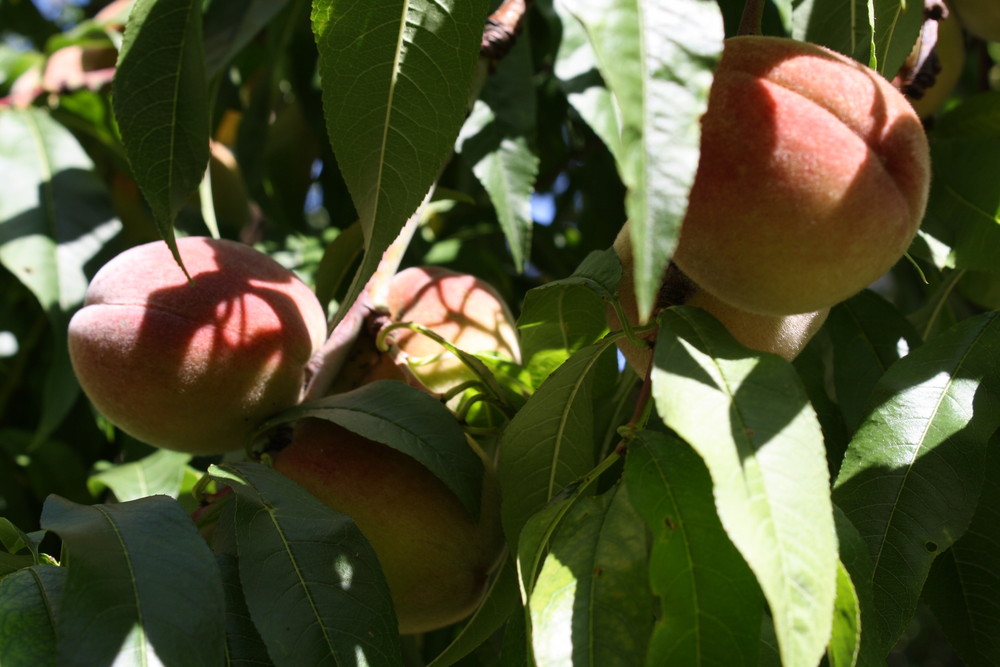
[[854, 558], [550, 441], [244, 647], [311, 580], [748, 417], [501, 601], [963, 581], [656, 58], [497, 141], [593, 584], [396, 78], [846, 635], [911, 477], [230, 25], [410, 421], [29, 602], [160, 98], [141, 585], [711, 604]]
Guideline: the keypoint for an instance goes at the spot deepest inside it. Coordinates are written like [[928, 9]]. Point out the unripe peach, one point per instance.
[[784, 335], [979, 17], [194, 366], [812, 180], [435, 555], [462, 309]]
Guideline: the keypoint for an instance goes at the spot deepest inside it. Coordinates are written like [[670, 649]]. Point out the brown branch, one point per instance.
[[502, 28]]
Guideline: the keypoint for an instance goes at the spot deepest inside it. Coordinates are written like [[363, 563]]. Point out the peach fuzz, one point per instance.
[[812, 180], [784, 335], [435, 556], [194, 366]]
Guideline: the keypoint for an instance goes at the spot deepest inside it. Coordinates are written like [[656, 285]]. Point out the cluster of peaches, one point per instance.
[[812, 181]]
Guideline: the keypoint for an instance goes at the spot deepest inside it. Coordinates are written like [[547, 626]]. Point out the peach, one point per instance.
[[462, 309], [194, 366], [979, 17], [784, 335], [812, 180], [435, 555]]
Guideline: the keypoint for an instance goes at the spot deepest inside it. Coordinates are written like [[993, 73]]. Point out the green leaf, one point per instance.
[[855, 560], [396, 78], [842, 26], [869, 334], [243, 643], [710, 603], [310, 579], [160, 99], [230, 25], [29, 602], [963, 211], [593, 584], [497, 141], [161, 473], [963, 582], [748, 417], [14, 539], [912, 473], [339, 259], [55, 217], [846, 636], [408, 420], [656, 59], [533, 542], [856, 27], [141, 585], [897, 25], [557, 319], [500, 602], [549, 443]]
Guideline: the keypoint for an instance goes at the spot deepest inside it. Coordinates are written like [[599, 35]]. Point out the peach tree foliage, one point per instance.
[[731, 508]]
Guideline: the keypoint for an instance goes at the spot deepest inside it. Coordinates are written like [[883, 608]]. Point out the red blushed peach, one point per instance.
[[812, 180], [784, 335], [436, 557], [462, 309], [194, 366]]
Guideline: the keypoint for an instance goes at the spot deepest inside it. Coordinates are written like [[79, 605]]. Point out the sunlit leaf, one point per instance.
[[161, 473], [550, 441], [710, 602], [55, 218], [911, 476], [593, 584], [497, 141], [656, 59], [963, 582], [748, 417]]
